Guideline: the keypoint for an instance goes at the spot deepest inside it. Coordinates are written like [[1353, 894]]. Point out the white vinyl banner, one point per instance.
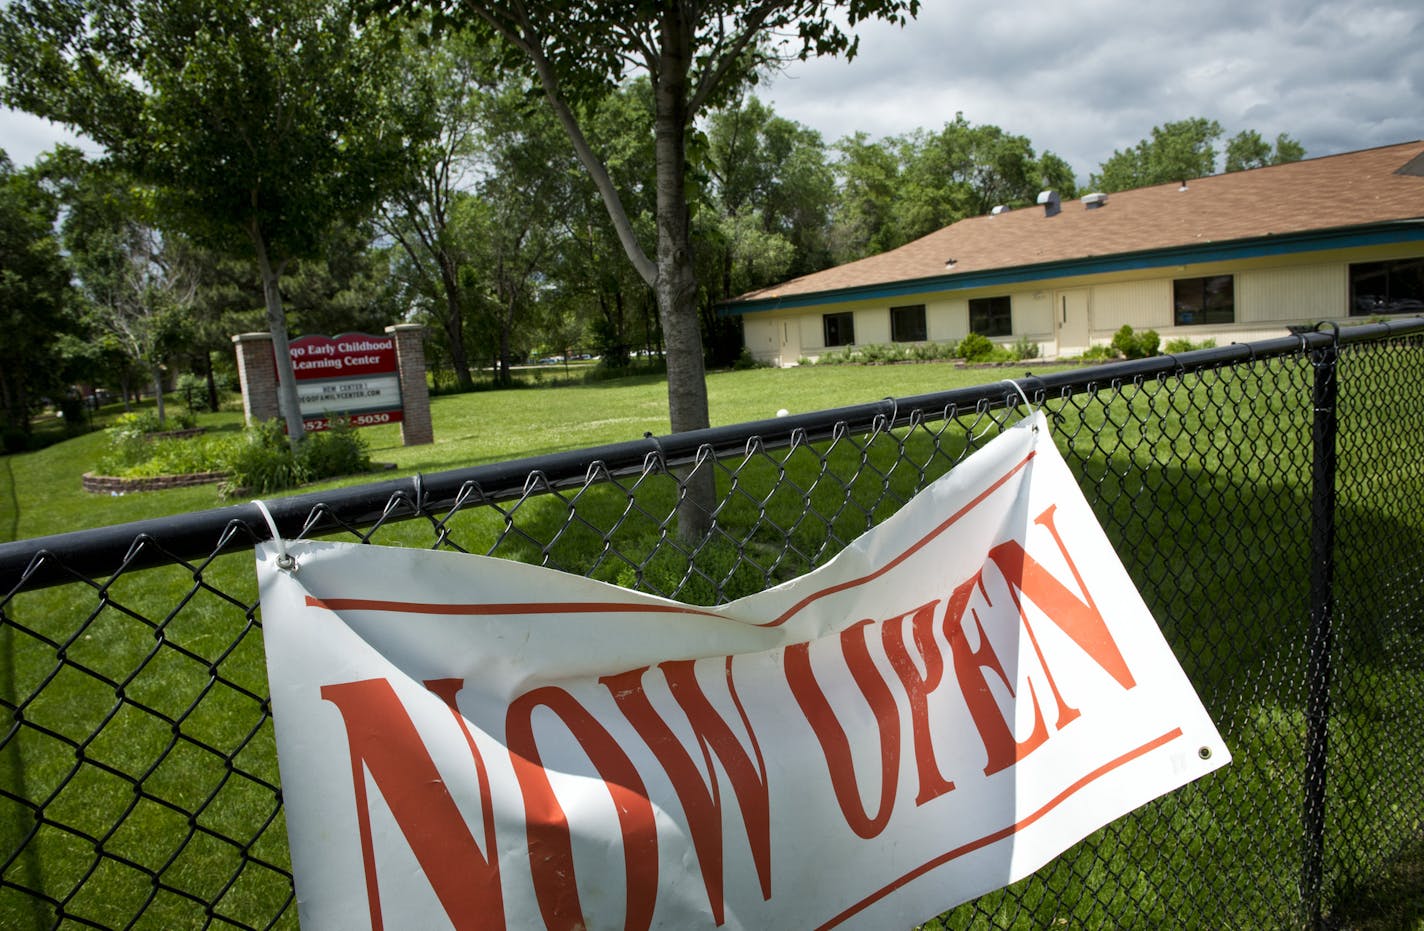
[[961, 694]]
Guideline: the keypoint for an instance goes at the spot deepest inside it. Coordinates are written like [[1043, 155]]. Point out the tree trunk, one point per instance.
[[157, 372], [455, 324], [676, 283], [213, 400], [281, 347]]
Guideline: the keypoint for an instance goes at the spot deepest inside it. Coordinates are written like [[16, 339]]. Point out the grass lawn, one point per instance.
[[42, 494], [147, 737]]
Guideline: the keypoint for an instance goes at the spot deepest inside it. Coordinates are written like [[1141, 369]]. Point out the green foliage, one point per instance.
[[934, 351], [1136, 345], [338, 450], [976, 347], [1177, 151], [1247, 149], [1024, 348], [1182, 344], [746, 360], [261, 462], [1100, 352], [34, 292], [1187, 149]]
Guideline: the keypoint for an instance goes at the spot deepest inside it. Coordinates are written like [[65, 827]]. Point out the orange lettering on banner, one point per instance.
[[834, 745], [917, 688], [700, 803], [1078, 617], [551, 855], [384, 742]]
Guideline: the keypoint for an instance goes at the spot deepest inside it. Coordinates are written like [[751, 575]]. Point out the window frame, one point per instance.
[[918, 328], [1187, 306], [843, 320], [995, 315], [1401, 294]]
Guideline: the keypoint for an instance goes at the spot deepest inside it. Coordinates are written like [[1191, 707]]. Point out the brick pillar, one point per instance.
[[416, 428], [258, 375]]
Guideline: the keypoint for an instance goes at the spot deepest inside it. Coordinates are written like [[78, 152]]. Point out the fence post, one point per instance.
[[1319, 639]]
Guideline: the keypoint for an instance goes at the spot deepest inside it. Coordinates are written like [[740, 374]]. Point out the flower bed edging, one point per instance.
[[115, 485]]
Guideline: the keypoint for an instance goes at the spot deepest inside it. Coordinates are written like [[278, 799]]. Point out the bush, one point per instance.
[[931, 352], [1099, 353], [261, 461], [146, 421], [1024, 348], [339, 450], [745, 360], [1182, 344], [1134, 345], [976, 347]]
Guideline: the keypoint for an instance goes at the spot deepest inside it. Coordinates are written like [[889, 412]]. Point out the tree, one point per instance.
[[258, 125], [138, 289], [694, 55], [1187, 149], [1247, 149], [965, 171], [869, 174], [33, 297], [1176, 151], [447, 78]]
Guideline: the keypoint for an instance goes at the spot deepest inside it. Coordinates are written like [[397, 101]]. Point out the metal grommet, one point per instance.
[[1204, 753]]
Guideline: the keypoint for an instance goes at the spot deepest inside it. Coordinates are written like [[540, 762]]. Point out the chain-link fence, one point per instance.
[[1268, 499]]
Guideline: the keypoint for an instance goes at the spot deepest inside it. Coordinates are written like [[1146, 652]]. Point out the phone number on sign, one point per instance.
[[356, 420]]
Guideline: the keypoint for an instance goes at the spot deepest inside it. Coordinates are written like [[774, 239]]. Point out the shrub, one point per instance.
[[1099, 353], [1136, 345], [146, 421], [340, 450], [261, 461], [930, 352], [1024, 348], [1182, 344], [745, 360], [976, 347]]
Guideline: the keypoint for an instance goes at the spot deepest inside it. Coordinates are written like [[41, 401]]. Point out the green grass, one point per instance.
[[1203, 486]]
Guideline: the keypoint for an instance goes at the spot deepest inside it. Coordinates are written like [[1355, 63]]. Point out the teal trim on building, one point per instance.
[[1259, 247]]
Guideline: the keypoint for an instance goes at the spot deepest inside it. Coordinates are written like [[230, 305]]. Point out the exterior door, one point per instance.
[[1073, 319], [790, 342]]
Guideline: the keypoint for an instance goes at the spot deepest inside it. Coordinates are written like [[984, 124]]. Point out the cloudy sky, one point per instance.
[[1084, 77]]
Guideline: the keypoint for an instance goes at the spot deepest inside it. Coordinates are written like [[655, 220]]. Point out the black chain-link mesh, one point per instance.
[[138, 774]]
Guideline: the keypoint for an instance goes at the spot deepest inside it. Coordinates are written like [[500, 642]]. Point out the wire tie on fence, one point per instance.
[[285, 561], [419, 494], [662, 457], [1027, 402]]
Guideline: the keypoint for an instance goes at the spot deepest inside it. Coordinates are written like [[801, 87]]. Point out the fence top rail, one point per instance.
[[100, 552]]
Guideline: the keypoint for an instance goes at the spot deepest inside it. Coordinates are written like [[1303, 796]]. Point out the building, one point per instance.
[[1231, 257]]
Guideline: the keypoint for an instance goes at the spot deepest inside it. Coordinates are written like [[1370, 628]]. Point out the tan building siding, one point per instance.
[[1309, 292], [1142, 305]]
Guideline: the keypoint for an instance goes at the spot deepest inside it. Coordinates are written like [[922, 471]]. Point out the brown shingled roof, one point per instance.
[[1353, 189]]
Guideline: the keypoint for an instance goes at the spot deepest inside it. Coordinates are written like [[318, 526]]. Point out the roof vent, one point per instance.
[[1002, 208], [1094, 201], [1051, 205]]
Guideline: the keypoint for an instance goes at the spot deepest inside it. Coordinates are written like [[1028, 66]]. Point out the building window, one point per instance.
[[907, 324], [839, 328], [990, 316], [1198, 301], [1395, 287]]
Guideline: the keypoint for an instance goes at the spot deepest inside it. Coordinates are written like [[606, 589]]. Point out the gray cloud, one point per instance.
[[1085, 78]]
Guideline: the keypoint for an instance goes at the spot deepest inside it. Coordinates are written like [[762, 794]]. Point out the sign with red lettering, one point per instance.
[[961, 694], [354, 375]]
